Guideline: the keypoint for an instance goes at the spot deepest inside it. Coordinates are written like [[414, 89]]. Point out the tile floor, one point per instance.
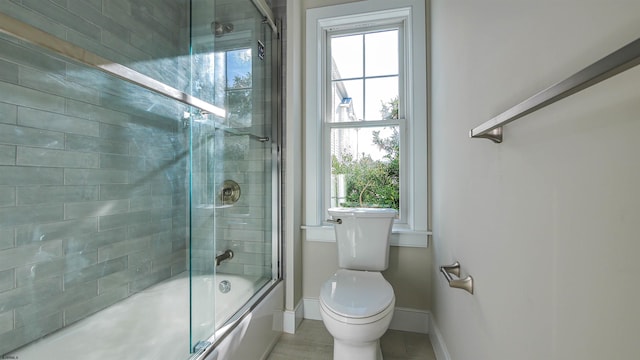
[[313, 342]]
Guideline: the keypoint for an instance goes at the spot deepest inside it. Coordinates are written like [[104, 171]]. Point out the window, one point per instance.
[[233, 79], [366, 119], [363, 117]]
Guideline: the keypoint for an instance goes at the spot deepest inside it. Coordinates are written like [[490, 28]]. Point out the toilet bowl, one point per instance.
[[356, 308], [356, 302]]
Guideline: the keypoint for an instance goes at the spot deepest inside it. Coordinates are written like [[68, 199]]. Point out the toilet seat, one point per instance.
[[357, 297]]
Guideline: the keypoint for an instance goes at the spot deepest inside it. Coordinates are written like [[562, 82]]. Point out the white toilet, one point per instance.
[[356, 303]]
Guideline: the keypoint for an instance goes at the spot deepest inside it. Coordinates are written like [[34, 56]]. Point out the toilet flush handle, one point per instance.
[[336, 221]]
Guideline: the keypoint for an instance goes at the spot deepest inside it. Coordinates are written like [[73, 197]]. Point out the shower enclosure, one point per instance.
[[138, 174]]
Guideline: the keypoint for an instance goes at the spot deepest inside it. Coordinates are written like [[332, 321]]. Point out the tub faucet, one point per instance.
[[226, 255]]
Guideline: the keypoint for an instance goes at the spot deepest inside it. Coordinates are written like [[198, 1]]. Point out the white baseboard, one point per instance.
[[311, 309], [293, 318], [404, 319], [437, 341], [411, 320]]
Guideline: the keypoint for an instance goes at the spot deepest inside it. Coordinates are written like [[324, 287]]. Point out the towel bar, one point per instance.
[[620, 60], [464, 284]]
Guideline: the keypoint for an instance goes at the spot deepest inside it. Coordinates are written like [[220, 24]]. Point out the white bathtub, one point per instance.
[[253, 335], [212, 307], [152, 324]]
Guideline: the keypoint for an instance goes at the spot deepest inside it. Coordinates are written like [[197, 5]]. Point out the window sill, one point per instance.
[[399, 237]]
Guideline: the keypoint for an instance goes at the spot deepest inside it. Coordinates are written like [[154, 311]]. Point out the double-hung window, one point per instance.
[[366, 116]]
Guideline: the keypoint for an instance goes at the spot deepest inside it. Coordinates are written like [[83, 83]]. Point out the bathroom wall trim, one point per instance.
[[404, 319], [311, 308], [437, 341], [293, 318], [413, 320]]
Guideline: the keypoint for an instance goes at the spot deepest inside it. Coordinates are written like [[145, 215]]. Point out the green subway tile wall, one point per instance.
[[93, 171]]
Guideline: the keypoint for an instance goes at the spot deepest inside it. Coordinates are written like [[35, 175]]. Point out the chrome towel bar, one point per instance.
[[618, 61], [464, 284]]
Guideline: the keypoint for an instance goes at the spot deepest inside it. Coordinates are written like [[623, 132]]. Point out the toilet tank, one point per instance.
[[363, 236]]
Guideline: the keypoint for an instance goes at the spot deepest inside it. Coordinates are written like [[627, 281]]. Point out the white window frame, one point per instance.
[[392, 24], [413, 229]]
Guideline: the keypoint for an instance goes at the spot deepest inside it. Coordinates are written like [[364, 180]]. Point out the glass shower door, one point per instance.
[[202, 189], [232, 207], [202, 262]]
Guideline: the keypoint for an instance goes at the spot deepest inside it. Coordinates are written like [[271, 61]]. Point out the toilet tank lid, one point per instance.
[[363, 212], [357, 294]]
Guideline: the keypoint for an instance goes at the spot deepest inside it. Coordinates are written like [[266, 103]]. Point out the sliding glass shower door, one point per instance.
[[233, 164], [137, 174]]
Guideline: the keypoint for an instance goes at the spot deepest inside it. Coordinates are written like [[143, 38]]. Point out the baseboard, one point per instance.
[[404, 319], [411, 320], [311, 309], [293, 318], [269, 349], [437, 341]]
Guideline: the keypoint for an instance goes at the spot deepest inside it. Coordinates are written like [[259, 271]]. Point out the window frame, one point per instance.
[[409, 16], [328, 126]]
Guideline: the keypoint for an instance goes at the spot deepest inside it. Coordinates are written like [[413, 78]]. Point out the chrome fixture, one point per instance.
[[618, 61], [224, 286], [336, 221], [229, 193], [219, 29], [265, 10], [226, 255], [465, 284], [231, 132]]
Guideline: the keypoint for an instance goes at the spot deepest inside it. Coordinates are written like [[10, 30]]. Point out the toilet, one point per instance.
[[356, 303]]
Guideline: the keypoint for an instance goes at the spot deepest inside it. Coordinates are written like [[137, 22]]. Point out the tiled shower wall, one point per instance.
[[245, 227], [93, 197]]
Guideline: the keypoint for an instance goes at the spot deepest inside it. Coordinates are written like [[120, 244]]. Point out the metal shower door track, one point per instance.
[[34, 36]]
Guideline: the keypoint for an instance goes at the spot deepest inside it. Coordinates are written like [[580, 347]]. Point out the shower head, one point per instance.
[[219, 29]]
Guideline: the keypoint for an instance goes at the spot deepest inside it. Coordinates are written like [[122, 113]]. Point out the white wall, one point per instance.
[[292, 157], [545, 222]]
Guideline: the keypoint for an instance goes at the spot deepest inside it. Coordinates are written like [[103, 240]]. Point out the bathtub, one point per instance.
[[253, 331], [152, 324]]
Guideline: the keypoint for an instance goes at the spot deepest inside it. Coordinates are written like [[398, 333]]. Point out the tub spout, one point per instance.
[[226, 255]]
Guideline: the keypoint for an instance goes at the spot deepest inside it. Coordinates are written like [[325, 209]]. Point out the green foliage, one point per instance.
[[389, 110], [242, 82], [239, 101], [374, 183]]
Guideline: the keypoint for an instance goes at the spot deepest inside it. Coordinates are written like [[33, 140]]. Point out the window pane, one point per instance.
[[239, 108], [348, 101], [346, 53], [381, 101], [219, 79], [381, 51], [365, 169], [239, 69]]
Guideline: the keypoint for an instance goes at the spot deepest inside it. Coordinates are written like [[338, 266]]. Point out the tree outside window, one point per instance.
[[361, 180]]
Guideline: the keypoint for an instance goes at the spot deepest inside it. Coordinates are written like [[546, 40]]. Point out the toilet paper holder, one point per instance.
[[465, 284]]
